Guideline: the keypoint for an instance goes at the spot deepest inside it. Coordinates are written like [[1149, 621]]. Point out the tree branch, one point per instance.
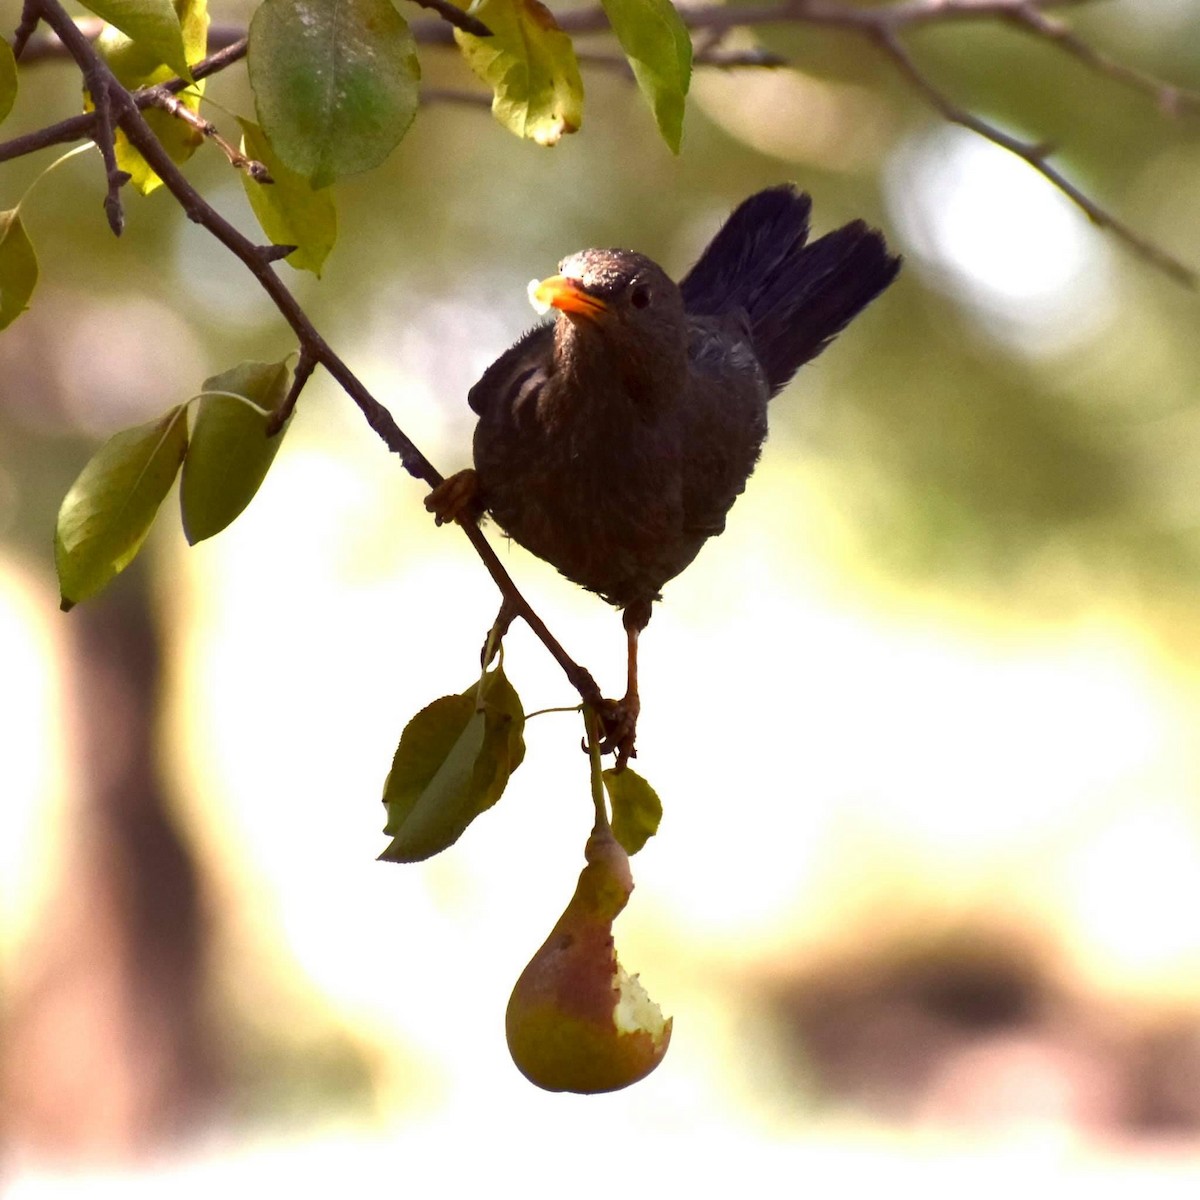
[[456, 96], [455, 16], [75, 129], [1035, 155], [302, 374], [26, 28], [1171, 100], [714, 56], [100, 84], [313, 347]]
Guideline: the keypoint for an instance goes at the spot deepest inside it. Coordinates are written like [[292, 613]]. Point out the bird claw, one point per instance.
[[455, 499], [618, 726]]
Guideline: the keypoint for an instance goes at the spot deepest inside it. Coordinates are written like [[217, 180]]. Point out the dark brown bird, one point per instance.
[[613, 442]]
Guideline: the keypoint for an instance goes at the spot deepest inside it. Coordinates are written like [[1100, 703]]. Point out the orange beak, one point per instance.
[[567, 295]]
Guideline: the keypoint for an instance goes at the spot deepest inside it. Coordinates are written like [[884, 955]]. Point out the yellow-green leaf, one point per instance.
[[8, 79], [137, 67], [530, 65], [291, 211], [107, 513], [153, 24], [659, 49], [230, 453], [636, 808], [18, 267], [335, 84], [453, 763]]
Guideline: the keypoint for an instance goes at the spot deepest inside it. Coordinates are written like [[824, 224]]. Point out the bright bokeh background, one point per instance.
[[925, 904]]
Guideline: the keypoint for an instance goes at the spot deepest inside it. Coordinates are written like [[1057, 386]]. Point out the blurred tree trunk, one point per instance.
[[107, 1050]]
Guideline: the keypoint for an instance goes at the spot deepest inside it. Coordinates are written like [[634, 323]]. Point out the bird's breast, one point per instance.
[[587, 482]]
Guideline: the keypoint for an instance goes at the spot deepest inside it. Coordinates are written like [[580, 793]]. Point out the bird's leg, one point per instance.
[[631, 705], [620, 717], [456, 498]]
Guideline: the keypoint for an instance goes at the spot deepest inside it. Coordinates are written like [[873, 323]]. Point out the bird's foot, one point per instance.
[[618, 724], [456, 498]]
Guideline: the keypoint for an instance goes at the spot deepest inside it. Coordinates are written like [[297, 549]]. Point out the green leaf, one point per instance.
[[230, 453], [428, 790], [453, 763], [291, 211], [530, 65], [335, 84], [107, 513], [18, 267], [153, 24], [136, 67], [504, 740], [656, 42], [636, 808], [8, 79]]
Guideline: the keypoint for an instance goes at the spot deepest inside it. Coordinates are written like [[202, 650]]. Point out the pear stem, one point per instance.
[[591, 723]]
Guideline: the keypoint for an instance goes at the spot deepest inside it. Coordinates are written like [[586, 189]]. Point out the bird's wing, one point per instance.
[[724, 419], [517, 373]]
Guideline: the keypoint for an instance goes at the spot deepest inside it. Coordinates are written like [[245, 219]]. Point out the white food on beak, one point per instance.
[[540, 306]]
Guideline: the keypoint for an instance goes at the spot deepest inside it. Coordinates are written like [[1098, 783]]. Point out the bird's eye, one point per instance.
[[640, 297]]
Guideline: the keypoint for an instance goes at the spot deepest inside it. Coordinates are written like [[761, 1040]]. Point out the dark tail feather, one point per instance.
[[762, 235], [797, 297]]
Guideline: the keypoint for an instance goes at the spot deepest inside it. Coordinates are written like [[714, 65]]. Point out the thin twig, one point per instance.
[[578, 676], [456, 17], [160, 97], [456, 96], [272, 252], [757, 58], [303, 373], [104, 135], [73, 129], [25, 29], [557, 708], [754, 57], [1035, 154], [224, 56], [1170, 99]]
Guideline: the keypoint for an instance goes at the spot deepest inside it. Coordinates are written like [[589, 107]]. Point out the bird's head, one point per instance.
[[620, 300]]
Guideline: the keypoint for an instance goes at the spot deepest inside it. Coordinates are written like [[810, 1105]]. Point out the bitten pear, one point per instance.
[[577, 1021]]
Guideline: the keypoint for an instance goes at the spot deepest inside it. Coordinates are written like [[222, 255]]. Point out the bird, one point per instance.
[[613, 441]]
